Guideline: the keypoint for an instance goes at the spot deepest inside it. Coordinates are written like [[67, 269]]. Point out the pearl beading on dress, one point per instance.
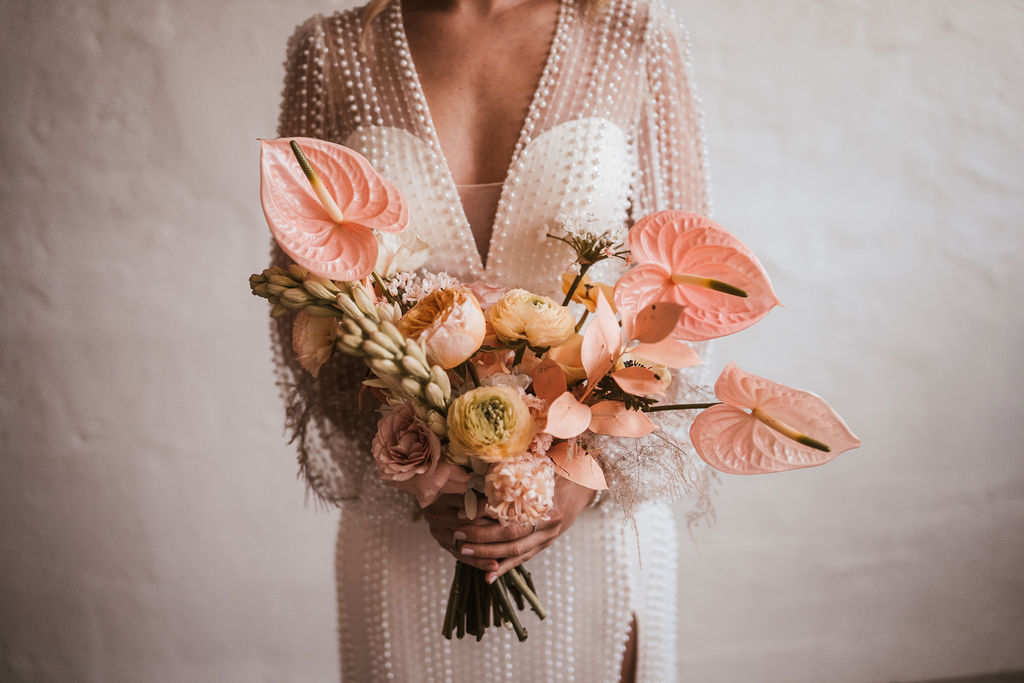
[[614, 128]]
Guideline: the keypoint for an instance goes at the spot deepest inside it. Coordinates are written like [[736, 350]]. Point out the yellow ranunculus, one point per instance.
[[521, 315], [587, 291], [490, 424], [448, 323]]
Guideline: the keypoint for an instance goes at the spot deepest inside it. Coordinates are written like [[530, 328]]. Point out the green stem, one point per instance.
[[460, 600], [520, 352], [575, 283], [384, 290], [583, 319], [449, 612], [681, 406], [527, 593], [509, 611], [471, 370]]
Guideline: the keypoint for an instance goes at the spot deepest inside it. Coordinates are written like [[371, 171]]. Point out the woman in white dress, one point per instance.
[[494, 117]]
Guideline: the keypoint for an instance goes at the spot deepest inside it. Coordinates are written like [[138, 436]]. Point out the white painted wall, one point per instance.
[[152, 528]]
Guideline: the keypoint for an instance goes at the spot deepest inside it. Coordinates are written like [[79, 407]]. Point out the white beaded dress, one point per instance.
[[614, 129]]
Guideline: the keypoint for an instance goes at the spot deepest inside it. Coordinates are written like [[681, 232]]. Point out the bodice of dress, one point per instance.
[[613, 130], [479, 204]]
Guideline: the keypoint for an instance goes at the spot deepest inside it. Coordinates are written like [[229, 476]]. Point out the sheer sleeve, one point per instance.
[[671, 174], [672, 156], [323, 414]]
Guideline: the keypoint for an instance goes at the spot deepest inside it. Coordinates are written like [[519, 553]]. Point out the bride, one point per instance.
[[497, 119]]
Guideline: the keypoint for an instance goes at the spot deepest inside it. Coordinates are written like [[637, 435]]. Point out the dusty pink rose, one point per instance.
[[408, 455], [520, 490], [486, 293], [404, 446]]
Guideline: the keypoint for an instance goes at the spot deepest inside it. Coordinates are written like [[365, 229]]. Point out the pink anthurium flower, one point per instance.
[[323, 210], [761, 426], [687, 259]]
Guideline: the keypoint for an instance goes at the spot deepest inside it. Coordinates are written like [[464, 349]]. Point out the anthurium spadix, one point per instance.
[[686, 259], [761, 426], [323, 201]]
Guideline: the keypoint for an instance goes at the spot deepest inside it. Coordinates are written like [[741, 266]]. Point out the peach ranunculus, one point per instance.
[[313, 340], [524, 316], [587, 291], [489, 424], [520, 490], [448, 323]]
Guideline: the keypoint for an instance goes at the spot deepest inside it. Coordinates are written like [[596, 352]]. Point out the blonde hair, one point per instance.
[[375, 7]]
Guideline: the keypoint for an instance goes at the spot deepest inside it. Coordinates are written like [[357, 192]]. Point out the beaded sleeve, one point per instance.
[[323, 417], [672, 174]]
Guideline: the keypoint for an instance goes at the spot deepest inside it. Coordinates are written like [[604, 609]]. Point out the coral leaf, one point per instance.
[[668, 352], [578, 466], [602, 341], [612, 418], [548, 380], [656, 321], [567, 417], [639, 380]]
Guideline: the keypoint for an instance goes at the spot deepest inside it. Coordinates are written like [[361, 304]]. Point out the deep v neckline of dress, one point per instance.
[[482, 263]]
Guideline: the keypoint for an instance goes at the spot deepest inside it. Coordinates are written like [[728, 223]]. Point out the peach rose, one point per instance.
[[448, 323]]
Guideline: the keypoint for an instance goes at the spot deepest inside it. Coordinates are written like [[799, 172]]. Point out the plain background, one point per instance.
[[151, 527]]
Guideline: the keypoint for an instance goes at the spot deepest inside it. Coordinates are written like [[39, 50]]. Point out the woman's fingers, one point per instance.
[[508, 549], [493, 532], [511, 562]]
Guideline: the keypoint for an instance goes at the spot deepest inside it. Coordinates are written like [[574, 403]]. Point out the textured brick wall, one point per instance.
[[151, 525]]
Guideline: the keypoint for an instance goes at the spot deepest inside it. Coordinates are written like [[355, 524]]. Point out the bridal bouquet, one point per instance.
[[494, 392]]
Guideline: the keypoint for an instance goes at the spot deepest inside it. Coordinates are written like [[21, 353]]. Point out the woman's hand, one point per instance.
[[487, 545]]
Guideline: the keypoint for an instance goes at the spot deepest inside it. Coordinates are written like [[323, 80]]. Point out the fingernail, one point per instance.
[[491, 578], [459, 536], [468, 551]]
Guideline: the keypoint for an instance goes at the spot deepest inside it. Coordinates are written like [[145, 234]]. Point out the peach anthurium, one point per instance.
[[687, 259], [323, 212], [761, 426]]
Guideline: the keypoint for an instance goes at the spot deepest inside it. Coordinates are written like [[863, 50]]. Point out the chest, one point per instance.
[[479, 76]]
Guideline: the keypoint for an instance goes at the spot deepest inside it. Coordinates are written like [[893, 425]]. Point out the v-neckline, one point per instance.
[[481, 263]]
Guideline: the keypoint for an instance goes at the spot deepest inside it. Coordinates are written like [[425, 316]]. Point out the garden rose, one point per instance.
[[490, 424], [524, 316], [448, 323], [405, 446]]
